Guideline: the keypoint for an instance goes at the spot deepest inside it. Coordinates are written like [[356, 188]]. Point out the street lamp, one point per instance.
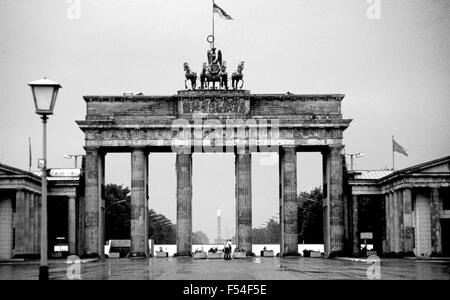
[[44, 92], [352, 156], [75, 156]]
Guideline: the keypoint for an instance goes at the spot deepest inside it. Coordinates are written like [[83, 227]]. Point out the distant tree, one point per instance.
[[199, 238], [118, 216], [310, 217], [117, 212], [267, 235], [161, 229]]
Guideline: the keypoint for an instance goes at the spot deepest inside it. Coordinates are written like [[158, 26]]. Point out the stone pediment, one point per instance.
[[6, 170], [441, 165]]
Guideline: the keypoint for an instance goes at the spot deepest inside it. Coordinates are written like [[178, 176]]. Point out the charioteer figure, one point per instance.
[[215, 70]]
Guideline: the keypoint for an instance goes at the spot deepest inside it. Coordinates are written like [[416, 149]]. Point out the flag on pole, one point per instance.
[[221, 12], [396, 147]]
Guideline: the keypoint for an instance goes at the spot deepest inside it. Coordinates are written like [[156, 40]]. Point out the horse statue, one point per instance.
[[238, 76], [191, 76], [214, 71]]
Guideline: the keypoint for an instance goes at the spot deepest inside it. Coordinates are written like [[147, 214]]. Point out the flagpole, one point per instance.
[[213, 24], [393, 156], [29, 154]]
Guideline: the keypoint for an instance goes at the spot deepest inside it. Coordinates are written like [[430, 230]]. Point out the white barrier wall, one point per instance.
[[256, 249]]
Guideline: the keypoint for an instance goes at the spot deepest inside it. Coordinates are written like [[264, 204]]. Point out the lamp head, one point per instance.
[[44, 92]]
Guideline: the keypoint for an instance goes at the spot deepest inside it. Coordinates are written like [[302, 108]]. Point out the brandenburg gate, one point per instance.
[[213, 121]]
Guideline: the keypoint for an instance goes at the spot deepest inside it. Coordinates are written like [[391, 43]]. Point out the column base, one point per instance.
[[339, 253], [90, 255], [185, 254], [291, 254], [138, 255]]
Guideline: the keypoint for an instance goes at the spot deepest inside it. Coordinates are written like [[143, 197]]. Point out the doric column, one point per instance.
[[396, 223], [101, 183], [243, 190], [401, 227], [33, 227], [436, 242], [19, 223], [326, 201], [355, 222], [289, 205], [72, 227], [391, 222], [139, 240], [146, 161], [408, 221], [92, 204], [27, 224], [336, 201], [37, 214], [184, 204]]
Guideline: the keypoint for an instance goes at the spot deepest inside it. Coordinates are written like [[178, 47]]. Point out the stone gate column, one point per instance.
[[436, 241], [408, 220], [243, 190], [355, 222], [336, 200], [289, 205], [92, 203], [139, 241], [184, 204], [101, 183], [72, 227], [326, 201]]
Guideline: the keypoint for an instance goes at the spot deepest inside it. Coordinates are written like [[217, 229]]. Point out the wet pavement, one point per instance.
[[255, 268]]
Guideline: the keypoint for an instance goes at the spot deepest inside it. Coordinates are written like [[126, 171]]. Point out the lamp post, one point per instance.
[[75, 156], [352, 156], [44, 93]]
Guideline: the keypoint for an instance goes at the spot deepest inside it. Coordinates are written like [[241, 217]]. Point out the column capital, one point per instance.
[[336, 147], [288, 147], [242, 151], [91, 148], [95, 149]]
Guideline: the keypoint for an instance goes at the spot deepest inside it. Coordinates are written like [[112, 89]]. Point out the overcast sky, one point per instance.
[[394, 71]]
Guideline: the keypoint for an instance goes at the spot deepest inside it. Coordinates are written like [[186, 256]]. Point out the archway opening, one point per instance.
[[266, 231], [213, 205], [162, 188], [310, 197]]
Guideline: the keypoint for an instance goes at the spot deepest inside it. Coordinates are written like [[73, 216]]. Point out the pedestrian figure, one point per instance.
[[225, 250], [228, 247]]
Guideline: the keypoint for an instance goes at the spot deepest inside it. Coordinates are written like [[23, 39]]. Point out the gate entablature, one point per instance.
[[128, 121]]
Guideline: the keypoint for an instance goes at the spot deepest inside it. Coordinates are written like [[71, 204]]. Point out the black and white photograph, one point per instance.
[[225, 145]]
